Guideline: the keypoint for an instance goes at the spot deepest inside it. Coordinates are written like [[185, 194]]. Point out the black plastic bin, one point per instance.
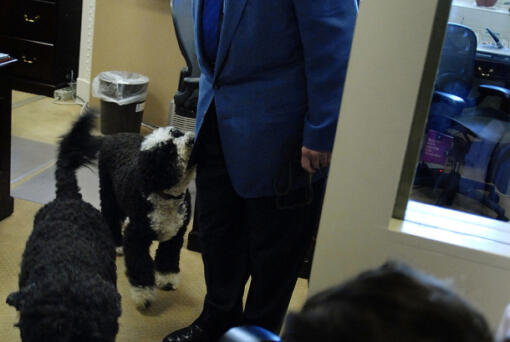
[[122, 97], [116, 118]]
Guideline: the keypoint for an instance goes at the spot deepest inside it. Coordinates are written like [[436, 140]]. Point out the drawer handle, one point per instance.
[[32, 20], [27, 60]]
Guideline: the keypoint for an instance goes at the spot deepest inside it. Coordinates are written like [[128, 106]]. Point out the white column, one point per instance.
[[86, 45]]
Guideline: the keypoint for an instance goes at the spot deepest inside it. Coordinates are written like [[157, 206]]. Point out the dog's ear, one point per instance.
[[158, 168], [17, 299]]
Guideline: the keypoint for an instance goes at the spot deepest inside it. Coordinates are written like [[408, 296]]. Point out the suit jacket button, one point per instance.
[[216, 85]]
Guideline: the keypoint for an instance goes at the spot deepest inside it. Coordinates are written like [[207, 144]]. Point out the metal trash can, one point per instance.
[[122, 96]]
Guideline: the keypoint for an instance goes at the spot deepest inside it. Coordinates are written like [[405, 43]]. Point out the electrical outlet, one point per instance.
[[63, 94]]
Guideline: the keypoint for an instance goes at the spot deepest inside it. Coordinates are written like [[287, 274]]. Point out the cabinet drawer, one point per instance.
[[36, 60], [33, 20], [493, 70]]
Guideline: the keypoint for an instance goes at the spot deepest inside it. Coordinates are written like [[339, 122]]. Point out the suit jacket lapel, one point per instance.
[[233, 10]]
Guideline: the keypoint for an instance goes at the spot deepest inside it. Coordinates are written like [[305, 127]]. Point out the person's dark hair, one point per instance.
[[391, 303]]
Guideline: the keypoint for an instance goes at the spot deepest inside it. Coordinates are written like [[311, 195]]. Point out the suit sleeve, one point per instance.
[[326, 28]]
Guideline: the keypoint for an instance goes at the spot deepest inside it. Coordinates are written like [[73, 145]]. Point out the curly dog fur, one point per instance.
[[67, 285], [143, 181]]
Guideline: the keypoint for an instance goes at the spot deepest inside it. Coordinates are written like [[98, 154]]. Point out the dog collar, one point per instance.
[[170, 197]]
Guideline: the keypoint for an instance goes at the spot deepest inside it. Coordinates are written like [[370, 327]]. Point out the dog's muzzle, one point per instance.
[[167, 196]]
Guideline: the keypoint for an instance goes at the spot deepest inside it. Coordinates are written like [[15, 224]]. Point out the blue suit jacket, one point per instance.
[[277, 82]]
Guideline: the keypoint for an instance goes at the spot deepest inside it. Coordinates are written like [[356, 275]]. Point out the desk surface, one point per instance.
[[493, 51], [499, 57]]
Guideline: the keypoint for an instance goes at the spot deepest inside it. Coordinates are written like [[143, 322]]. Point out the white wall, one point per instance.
[[478, 18]]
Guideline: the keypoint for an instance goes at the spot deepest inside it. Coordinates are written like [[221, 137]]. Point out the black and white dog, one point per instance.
[[67, 285], [145, 180]]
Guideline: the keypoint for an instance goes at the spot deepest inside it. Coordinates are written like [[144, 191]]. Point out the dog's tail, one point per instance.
[[77, 148]]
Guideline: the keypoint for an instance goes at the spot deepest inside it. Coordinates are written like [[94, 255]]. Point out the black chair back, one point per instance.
[[457, 64]]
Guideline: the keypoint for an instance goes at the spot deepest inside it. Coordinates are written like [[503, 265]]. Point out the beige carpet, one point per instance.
[[45, 121]]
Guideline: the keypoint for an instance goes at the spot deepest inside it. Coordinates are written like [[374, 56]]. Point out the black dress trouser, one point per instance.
[[242, 237]]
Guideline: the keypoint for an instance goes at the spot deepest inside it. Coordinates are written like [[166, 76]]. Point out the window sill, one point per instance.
[[460, 234]]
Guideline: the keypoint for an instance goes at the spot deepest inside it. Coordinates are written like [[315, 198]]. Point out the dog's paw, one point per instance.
[[119, 250], [143, 296], [167, 281]]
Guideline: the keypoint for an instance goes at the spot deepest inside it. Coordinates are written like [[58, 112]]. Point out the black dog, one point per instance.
[[67, 285], [145, 180]]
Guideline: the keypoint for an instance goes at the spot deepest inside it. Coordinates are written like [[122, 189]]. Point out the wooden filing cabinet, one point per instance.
[[44, 35]]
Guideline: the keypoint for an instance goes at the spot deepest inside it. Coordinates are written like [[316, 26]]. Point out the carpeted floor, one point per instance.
[[40, 120], [41, 187], [29, 156]]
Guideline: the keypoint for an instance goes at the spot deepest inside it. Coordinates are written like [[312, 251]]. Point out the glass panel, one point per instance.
[[465, 156]]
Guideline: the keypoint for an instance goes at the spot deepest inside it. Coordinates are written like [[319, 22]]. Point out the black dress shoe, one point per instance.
[[193, 333]]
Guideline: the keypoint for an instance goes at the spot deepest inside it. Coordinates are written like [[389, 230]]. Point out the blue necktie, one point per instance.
[[210, 27]]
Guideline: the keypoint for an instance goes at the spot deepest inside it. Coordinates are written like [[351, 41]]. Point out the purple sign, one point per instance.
[[436, 147]]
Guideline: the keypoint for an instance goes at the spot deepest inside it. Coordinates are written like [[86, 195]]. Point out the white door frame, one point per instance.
[[385, 101], [86, 45]]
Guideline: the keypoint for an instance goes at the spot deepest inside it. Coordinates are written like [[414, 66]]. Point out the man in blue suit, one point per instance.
[[270, 92]]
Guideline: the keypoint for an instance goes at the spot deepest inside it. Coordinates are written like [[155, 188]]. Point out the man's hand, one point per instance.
[[312, 160]]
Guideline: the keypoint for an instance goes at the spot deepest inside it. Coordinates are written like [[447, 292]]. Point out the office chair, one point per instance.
[[186, 97], [464, 133], [183, 115]]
